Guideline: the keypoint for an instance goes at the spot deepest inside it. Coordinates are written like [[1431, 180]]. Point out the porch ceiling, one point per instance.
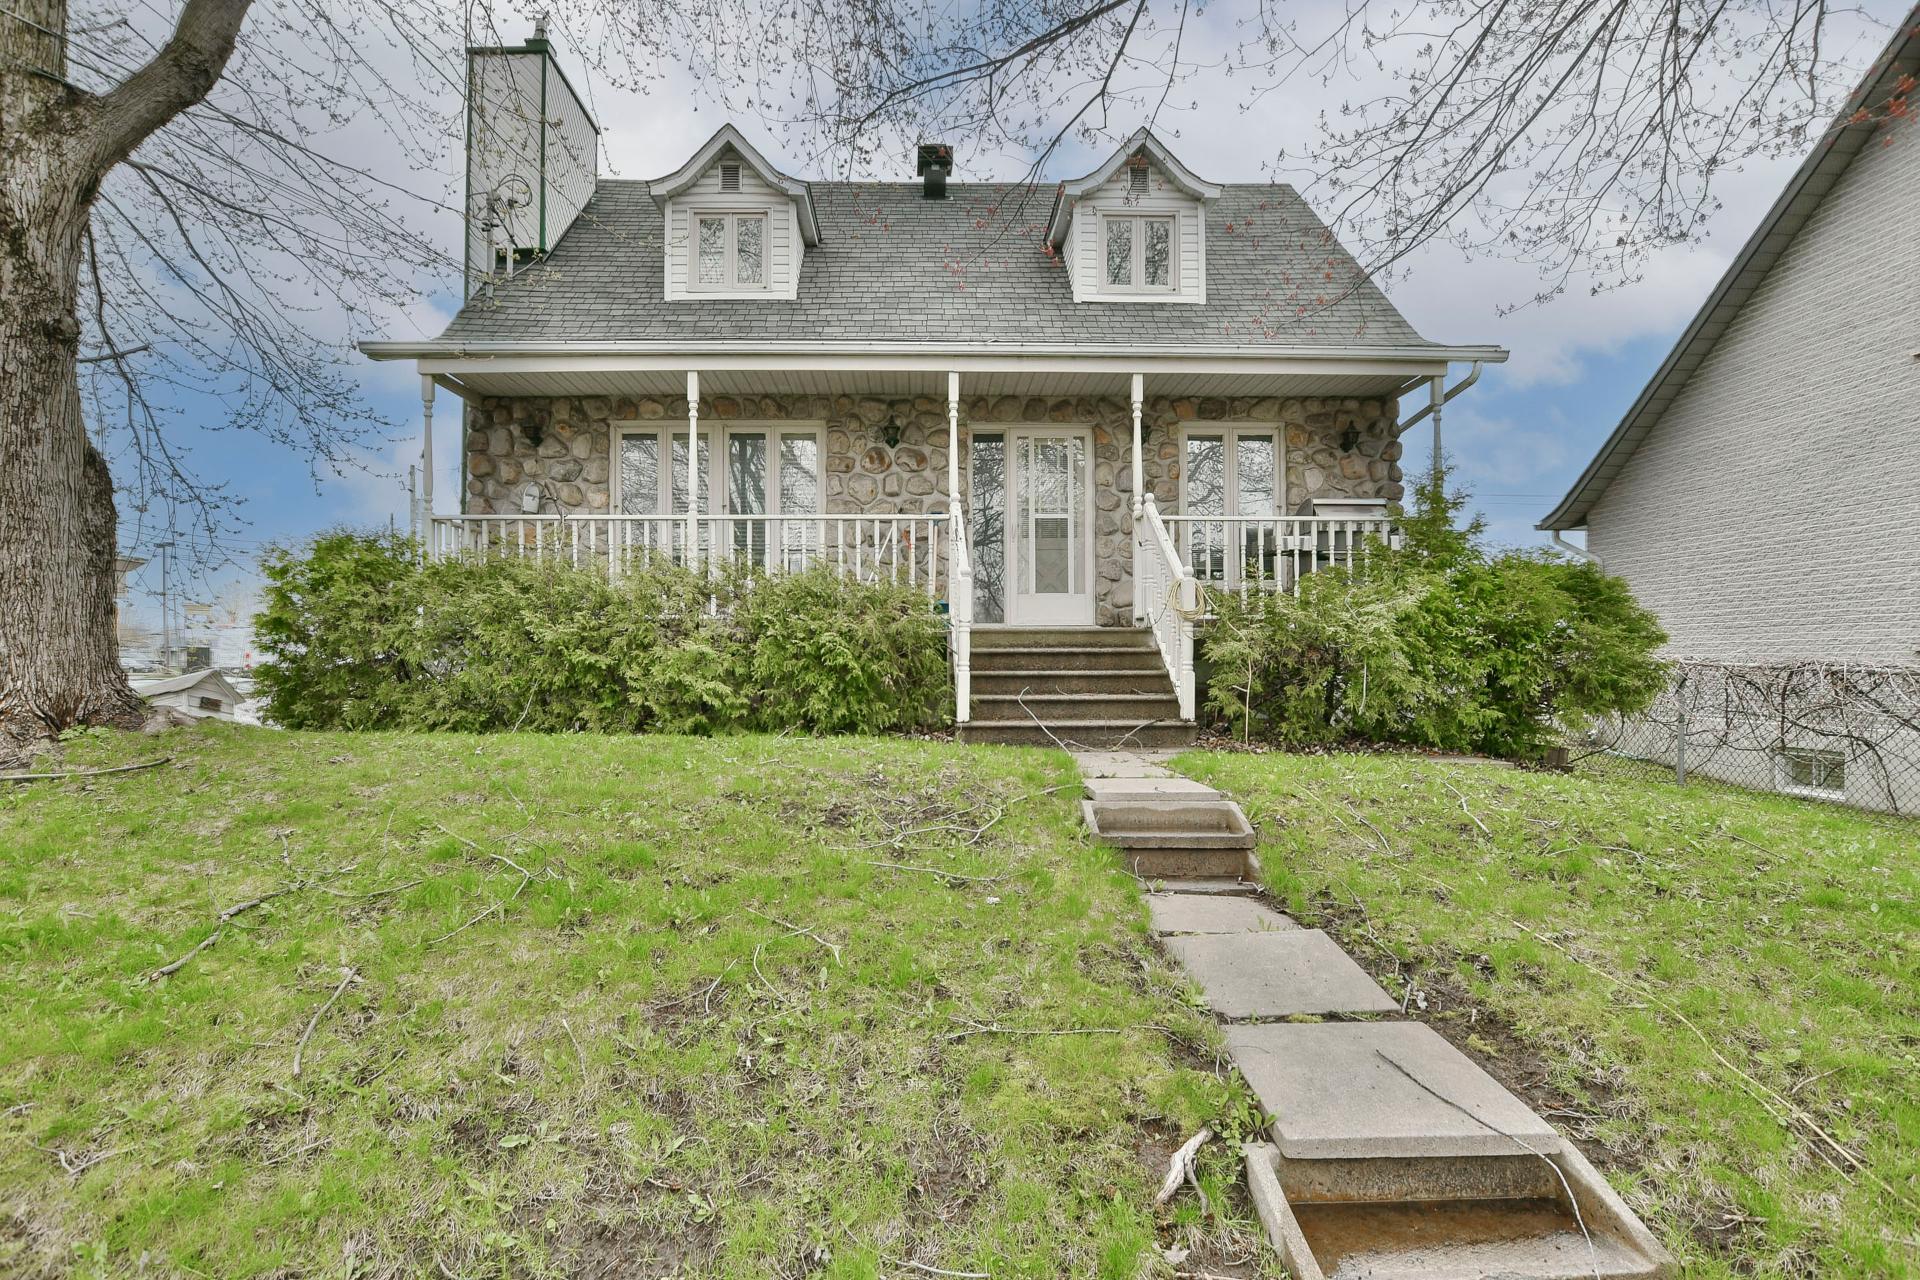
[[729, 382]]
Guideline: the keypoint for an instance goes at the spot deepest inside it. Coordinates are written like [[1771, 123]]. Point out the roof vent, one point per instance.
[[1137, 180], [936, 162], [729, 177]]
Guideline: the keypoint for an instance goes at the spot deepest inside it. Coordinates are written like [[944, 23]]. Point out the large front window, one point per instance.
[[744, 472], [730, 251], [1232, 472]]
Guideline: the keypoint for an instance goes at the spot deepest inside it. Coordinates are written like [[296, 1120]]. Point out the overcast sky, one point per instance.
[[1519, 437]]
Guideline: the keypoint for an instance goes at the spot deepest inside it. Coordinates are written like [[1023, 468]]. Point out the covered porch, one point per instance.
[[1017, 488]]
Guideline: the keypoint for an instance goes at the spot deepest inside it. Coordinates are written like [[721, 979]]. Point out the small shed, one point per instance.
[[200, 694]]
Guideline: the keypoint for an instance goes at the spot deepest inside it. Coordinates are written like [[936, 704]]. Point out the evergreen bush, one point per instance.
[[1439, 643], [360, 633]]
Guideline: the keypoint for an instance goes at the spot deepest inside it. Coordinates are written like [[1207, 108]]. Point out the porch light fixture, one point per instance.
[[891, 431], [1349, 438]]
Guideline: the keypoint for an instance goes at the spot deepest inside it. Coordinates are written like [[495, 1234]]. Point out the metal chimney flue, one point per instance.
[[936, 162]]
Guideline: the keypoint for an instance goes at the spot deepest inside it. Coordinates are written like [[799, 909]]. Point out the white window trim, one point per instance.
[[731, 286], [1231, 433], [715, 438], [1139, 217]]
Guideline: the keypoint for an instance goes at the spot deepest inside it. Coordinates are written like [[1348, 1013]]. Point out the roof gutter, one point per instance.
[[479, 351]]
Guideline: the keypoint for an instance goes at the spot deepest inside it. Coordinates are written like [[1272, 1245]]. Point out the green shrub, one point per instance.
[[1438, 644], [359, 633]]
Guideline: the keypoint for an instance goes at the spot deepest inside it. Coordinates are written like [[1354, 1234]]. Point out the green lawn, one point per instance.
[[1710, 979], [574, 1006]]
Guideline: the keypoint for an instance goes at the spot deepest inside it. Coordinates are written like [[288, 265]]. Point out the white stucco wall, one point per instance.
[[1774, 511]]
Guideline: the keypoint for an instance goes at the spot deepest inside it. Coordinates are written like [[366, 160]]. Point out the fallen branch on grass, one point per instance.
[[499, 908], [793, 929], [83, 773], [935, 871], [1463, 808], [240, 908], [347, 975], [984, 1029], [924, 1269], [1180, 1168], [75, 1168]]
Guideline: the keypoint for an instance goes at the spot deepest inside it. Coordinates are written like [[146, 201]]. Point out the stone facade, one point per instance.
[[566, 443]]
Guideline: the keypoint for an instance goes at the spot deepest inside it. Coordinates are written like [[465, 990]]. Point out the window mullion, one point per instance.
[[1140, 253]]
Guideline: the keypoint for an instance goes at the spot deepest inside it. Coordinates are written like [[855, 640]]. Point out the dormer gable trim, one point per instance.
[[1141, 143], [727, 138]]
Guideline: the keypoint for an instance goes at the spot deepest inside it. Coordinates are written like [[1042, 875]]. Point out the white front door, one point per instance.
[[1050, 547]]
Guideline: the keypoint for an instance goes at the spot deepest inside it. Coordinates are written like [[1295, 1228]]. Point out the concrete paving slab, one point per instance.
[[1118, 764], [1277, 974], [1205, 913], [1115, 789], [1347, 1091]]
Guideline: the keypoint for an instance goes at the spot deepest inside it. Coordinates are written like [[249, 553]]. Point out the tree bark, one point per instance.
[[59, 657]]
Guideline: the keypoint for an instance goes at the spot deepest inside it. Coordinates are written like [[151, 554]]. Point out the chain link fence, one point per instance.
[[1821, 731]]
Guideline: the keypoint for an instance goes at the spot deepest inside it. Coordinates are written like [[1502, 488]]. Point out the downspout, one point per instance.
[[1559, 540]]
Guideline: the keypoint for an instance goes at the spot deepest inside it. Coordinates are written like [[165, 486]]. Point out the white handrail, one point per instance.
[[960, 612], [1272, 553], [1170, 599], [902, 548]]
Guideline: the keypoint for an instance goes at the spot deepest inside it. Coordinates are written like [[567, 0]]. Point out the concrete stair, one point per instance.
[[1090, 688]]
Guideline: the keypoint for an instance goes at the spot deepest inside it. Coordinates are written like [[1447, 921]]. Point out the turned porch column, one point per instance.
[[1437, 390], [693, 466], [1139, 497], [426, 461], [953, 442]]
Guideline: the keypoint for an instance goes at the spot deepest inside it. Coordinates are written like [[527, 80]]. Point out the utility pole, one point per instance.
[[166, 610]]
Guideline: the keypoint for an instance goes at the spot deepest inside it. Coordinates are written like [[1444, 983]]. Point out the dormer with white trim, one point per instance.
[[1135, 229], [736, 227]]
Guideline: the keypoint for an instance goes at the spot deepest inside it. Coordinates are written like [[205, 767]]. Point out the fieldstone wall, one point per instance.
[[565, 444]]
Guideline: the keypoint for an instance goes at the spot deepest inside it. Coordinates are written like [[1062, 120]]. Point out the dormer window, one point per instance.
[[1139, 253], [736, 227], [731, 251]]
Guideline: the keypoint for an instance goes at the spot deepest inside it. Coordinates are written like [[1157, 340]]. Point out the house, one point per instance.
[[1056, 407], [200, 695], [1758, 495]]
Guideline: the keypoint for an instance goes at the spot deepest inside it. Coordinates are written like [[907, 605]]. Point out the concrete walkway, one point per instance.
[[1373, 1121]]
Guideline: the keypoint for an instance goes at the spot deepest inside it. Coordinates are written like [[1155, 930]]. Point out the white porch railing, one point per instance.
[[899, 548], [1272, 553], [960, 613], [1169, 599]]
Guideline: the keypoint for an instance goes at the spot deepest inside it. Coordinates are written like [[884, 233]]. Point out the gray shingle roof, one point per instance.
[[893, 267]]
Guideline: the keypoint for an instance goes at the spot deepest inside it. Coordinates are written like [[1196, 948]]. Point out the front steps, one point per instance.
[[1086, 688]]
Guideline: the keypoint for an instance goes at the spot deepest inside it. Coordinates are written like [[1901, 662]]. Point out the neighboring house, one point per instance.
[[199, 694], [1110, 387], [1759, 495]]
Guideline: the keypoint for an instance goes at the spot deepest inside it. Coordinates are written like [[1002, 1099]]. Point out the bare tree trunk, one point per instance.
[[59, 659]]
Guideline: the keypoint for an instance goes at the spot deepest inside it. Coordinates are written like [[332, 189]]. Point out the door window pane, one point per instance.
[[1255, 476], [989, 528], [1119, 250], [747, 474], [1206, 496], [747, 492], [1159, 251], [1049, 508], [750, 242], [1206, 476], [799, 475], [679, 477], [713, 251], [640, 475]]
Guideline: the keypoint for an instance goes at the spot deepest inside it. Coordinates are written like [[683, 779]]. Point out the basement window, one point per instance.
[[730, 251], [1138, 253], [1821, 773]]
